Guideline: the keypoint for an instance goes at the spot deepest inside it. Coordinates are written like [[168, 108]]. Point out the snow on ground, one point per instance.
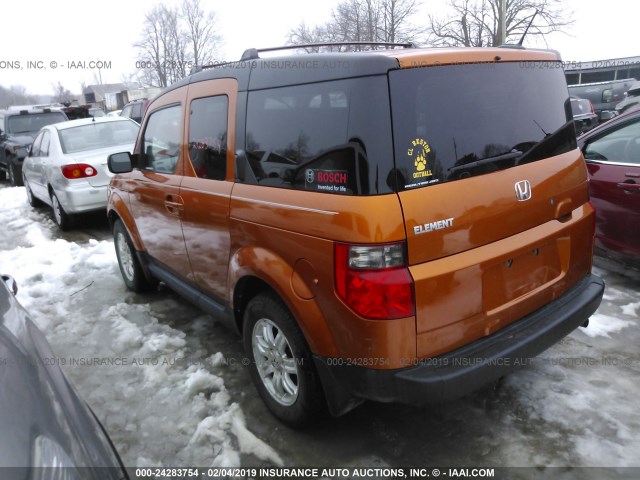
[[574, 405], [157, 395], [582, 391]]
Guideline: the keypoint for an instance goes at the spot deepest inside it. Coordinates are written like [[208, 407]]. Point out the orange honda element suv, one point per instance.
[[401, 225]]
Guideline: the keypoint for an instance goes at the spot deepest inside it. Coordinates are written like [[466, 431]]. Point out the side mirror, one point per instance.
[[11, 283], [22, 153], [120, 162]]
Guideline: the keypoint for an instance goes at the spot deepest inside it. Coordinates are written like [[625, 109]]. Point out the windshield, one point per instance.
[[94, 136], [580, 106], [458, 121], [33, 122]]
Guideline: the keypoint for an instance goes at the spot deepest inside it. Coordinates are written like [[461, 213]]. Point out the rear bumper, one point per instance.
[[466, 369], [82, 197]]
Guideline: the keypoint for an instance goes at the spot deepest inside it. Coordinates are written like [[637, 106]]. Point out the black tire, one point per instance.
[[62, 218], [130, 268], [33, 201], [3, 175], [14, 177], [283, 372]]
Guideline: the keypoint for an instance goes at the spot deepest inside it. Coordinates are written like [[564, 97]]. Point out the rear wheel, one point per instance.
[[33, 201], [280, 362], [62, 218], [130, 268]]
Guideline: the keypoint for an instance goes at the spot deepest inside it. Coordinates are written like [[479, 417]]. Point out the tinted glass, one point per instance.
[[161, 142], [44, 146], [35, 147], [458, 121], [94, 136], [33, 122], [580, 106], [332, 137], [621, 145], [208, 137]]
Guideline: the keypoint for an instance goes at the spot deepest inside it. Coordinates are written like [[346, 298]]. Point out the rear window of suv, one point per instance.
[[33, 122], [458, 121]]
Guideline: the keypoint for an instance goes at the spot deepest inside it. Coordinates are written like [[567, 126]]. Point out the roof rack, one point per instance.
[[253, 53]]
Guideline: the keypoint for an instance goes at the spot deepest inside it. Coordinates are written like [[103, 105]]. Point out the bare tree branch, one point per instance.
[[173, 40], [475, 23], [362, 21]]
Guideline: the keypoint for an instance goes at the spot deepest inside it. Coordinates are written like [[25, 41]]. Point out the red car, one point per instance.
[[612, 152]]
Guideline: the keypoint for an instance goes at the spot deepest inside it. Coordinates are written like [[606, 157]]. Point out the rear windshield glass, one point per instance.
[[460, 121], [33, 122], [93, 136]]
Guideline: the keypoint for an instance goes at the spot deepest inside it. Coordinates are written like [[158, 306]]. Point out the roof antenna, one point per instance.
[[527, 29]]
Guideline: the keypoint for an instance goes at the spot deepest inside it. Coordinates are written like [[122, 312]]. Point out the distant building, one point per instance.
[[95, 94], [117, 100], [114, 96], [602, 70]]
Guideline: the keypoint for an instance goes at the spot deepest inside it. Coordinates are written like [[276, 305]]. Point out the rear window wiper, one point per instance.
[[486, 160]]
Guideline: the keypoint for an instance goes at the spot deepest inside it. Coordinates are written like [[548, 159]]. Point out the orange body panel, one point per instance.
[[492, 262]]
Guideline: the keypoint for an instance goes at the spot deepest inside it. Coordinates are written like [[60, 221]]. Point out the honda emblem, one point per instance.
[[523, 190]]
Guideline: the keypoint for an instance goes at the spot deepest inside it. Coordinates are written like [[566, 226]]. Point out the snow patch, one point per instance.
[[601, 325], [631, 309], [151, 389]]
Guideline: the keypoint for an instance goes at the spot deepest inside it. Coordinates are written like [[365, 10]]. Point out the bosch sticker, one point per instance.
[[326, 180]]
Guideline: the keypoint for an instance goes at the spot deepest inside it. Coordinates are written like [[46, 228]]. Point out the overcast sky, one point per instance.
[[57, 36]]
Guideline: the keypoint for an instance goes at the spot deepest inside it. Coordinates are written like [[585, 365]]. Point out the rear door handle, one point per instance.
[[629, 187], [174, 205]]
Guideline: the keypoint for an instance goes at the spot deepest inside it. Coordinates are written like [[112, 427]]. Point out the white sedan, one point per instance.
[[67, 165]]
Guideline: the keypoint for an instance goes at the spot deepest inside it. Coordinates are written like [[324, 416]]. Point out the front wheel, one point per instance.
[[14, 177], [280, 362], [130, 268]]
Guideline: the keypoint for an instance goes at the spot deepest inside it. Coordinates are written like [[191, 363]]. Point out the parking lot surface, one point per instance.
[[181, 395]]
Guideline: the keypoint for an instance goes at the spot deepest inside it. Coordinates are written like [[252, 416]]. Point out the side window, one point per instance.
[[44, 146], [324, 137], [126, 112], [136, 112], [208, 137], [621, 145], [161, 142], [35, 147]]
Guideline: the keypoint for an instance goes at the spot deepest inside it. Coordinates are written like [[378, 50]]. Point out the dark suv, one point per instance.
[[18, 128]]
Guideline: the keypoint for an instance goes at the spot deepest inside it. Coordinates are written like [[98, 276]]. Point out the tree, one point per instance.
[[362, 21], [15, 95], [200, 27], [479, 23], [173, 40], [61, 94]]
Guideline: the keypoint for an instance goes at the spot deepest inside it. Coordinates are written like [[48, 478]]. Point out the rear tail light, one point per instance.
[[374, 281], [593, 110], [78, 170]]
